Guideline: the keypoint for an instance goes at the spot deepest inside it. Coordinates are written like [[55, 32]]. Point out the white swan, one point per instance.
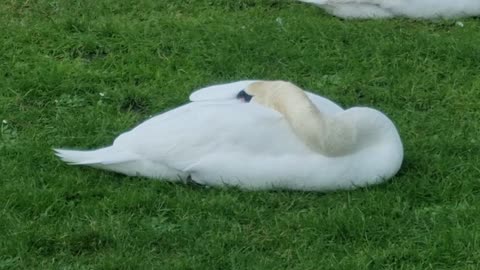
[[422, 9], [256, 135]]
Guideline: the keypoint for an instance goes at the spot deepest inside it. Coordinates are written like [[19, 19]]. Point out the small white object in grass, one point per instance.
[[459, 24], [4, 122], [102, 94], [279, 21]]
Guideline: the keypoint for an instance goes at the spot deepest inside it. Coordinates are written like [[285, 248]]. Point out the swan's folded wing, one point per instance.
[[198, 130], [220, 92]]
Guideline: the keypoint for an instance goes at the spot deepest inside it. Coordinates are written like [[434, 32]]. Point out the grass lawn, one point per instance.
[[78, 73]]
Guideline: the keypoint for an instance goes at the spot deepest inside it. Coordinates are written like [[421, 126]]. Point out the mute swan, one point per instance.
[[256, 135], [423, 9]]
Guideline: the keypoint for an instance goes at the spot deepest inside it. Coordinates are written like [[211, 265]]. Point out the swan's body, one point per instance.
[[423, 9], [219, 140]]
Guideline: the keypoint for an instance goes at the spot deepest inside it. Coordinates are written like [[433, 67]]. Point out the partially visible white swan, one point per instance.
[[423, 9], [256, 135]]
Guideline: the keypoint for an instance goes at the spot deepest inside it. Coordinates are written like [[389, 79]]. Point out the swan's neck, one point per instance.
[[328, 135]]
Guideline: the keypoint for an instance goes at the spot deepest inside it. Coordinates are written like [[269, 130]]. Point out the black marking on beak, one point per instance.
[[242, 95]]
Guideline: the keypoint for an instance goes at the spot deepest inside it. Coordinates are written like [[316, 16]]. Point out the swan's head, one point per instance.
[[320, 132], [274, 94]]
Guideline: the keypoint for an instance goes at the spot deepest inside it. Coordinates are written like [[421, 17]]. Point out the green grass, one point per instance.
[[78, 73]]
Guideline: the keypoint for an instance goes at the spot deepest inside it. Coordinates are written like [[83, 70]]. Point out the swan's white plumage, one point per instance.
[[423, 9], [218, 140]]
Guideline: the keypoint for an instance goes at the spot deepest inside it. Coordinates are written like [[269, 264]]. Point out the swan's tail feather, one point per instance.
[[103, 156], [120, 161]]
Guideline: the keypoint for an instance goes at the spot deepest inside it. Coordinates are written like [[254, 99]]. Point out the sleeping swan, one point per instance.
[[256, 135], [421, 9]]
